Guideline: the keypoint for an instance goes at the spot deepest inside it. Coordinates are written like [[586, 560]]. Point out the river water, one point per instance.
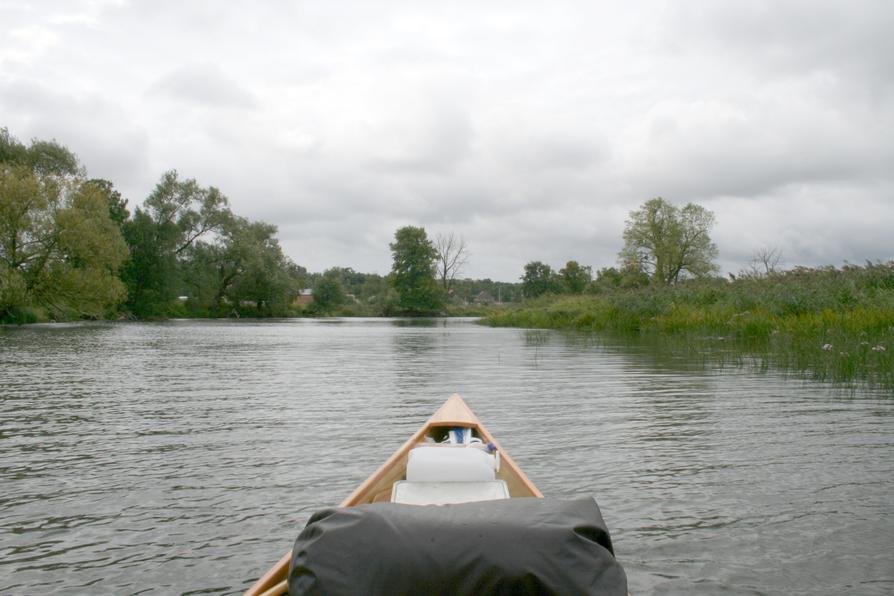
[[184, 457]]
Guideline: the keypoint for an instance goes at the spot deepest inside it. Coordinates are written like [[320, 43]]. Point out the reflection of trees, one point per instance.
[[413, 346], [419, 322], [536, 338]]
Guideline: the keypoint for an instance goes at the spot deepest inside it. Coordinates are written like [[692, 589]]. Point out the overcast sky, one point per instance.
[[531, 129]]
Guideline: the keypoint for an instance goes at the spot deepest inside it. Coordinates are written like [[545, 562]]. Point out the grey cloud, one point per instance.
[[204, 85], [705, 148], [546, 147], [436, 143], [811, 224], [104, 138], [852, 39], [532, 131]]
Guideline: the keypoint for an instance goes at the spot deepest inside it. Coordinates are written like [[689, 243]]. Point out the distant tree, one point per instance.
[[298, 277], [539, 279], [329, 293], [764, 262], [667, 243], [413, 271], [575, 278], [215, 270], [265, 285], [453, 255], [173, 217], [610, 278]]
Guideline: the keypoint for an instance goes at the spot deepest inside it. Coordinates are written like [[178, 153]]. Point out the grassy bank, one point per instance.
[[828, 324]]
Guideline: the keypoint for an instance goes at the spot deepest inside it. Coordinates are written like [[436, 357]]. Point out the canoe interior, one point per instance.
[[377, 488]]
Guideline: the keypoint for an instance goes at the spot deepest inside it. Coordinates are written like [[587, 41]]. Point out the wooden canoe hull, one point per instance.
[[377, 488]]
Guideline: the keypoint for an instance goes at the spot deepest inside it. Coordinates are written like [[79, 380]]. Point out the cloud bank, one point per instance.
[[531, 130]]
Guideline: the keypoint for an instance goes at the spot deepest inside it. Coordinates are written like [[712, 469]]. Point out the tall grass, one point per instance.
[[829, 324]]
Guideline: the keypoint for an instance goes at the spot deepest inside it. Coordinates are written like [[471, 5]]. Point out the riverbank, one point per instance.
[[827, 324], [32, 316]]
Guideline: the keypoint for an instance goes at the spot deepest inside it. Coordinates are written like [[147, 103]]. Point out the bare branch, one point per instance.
[[764, 262], [453, 255]]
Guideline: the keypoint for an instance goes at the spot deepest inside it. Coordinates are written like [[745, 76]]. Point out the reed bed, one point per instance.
[[832, 324]]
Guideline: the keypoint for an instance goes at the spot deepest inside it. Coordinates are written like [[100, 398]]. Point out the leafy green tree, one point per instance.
[[667, 242], [150, 273], [467, 290], [413, 271], [213, 268], [242, 268], [611, 278], [41, 157], [59, 249], [539, 279], [266, 285], [329, 294], [575, 278], [117, 204], [173, 217]]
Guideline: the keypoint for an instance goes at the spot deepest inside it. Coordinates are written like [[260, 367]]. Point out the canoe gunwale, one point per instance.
[[453, 413]]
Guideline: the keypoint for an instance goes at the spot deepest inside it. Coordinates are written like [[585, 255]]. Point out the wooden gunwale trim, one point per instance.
[[357, 495], [279, 589], [455, 413], [266, 584], [506, 460]]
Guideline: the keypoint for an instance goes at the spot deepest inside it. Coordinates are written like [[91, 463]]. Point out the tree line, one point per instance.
[[71, 248], [663, 244]]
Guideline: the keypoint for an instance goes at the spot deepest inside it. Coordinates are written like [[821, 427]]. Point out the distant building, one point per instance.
[[483, 297], [304, 297]]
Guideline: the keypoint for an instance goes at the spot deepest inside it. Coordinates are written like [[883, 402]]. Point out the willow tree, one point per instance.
[[175, 215], [668, 242], [59, 248]]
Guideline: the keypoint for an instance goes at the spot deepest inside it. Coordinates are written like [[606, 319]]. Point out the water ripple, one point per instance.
[[184, 457]]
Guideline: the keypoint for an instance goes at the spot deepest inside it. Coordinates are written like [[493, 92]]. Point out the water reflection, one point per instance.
[[419, 322]]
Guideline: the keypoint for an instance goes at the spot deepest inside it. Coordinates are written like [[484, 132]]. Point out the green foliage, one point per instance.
[[835, 324], [243, 266], [669, 243], [117, 204], [413, 272], [472, 291], [329, 294], [172, 219], [575, 278], [150, 273], [364, 289], [267, 281], [13, 294], [43, 158], [66, 246], [59, 249], [609, 278], [539, 279]]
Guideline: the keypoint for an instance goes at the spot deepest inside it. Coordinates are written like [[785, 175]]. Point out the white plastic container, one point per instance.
[[450, 464]]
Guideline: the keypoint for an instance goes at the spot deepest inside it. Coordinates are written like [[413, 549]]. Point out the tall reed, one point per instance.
[[827, 323]]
